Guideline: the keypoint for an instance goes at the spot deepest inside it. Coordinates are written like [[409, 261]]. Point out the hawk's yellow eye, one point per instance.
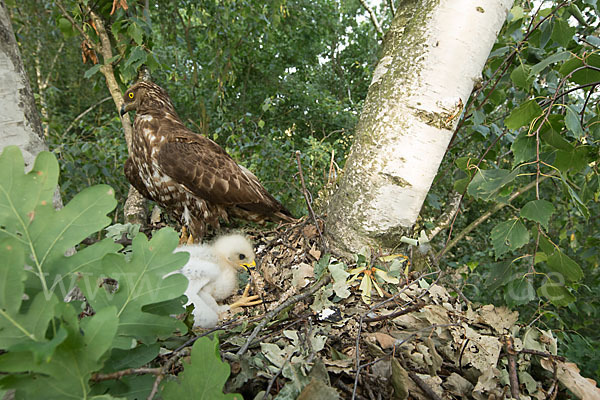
[[131, 95]]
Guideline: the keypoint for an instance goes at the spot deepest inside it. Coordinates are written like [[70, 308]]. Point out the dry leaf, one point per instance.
[[314, 252], [301, 275], [310, 231], [118, 4], [385, 341], [568, 374]]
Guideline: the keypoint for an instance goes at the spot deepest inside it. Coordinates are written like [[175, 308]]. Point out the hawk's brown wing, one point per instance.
[[133, 176], [206, 170]]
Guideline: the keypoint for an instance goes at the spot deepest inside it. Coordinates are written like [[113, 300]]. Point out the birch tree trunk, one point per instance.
[[432, 56], [19, 121]]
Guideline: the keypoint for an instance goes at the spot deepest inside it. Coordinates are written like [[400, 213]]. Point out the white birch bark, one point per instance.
[[19, 121], [433, 54]]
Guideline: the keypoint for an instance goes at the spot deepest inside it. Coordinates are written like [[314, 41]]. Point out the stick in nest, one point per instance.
[[308, 203], [274, 312]]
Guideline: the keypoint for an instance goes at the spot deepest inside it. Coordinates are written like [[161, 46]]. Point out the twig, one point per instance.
[[83, 114], [543, 354], [310, 209], [392, 8], [485, 216], [373, 17], [587, 99], [460, 293], [272, 380], [274, 312], [512, 366], [362, 317], [348, 389], [422, 385], [165, 369], [408, 310], [97, 377], [453, 205]]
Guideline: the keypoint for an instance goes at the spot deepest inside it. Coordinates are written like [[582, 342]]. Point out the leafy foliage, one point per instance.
[[265, 79], [204, 376], [529, 138], [50, 349]]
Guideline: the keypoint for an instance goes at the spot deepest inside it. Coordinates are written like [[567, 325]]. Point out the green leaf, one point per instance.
[[321, 266], [521, 76], [487, 183], [127, 387], [141, 283], [136, 33], [339, 275], [20, 193], [90, 72], [66, 374], [539, 211], [203, 377], [558, 294], [563, 33], [556, 57], [12, 275], [131, 358], [509, 235], [516, 13], [575, 159], [565, 266], [575, 198], [523, 148], [137, 57], [54, 232], [64, 25], [523, 115], [519, 292], [572, 122], [21, 328], [585, 75], [460, 185]]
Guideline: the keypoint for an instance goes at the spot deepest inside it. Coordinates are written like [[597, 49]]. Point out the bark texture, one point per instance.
[[432, 56], [19, 120]]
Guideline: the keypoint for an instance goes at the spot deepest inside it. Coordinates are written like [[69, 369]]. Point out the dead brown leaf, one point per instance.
[[119, 4], [568, 374]]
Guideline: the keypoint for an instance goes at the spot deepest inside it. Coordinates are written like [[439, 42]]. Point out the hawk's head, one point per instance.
[[145, 96]]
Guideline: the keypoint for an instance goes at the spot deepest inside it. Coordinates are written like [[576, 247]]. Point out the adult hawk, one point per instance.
[[186, 173]]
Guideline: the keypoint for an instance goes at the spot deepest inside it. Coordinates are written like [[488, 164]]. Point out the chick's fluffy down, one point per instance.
[[212, 274]]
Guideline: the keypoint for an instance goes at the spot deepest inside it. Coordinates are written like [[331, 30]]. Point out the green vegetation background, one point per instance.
[[265, 79]]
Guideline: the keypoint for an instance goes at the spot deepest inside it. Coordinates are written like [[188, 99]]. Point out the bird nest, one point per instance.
[[318, 337]]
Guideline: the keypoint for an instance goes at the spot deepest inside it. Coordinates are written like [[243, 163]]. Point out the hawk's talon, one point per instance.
[[183, 238]]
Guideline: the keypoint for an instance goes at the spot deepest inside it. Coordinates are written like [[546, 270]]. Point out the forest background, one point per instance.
[[265, 79]]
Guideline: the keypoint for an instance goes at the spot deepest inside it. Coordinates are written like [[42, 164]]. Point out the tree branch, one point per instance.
[[444, 221], [485, 216], [274, 312], [165, 369], [392, 8], [373, 17], [119, 374], [83, 114]]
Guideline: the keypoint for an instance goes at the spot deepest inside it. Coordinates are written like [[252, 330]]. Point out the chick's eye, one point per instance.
[[242, 257], [131, 95]]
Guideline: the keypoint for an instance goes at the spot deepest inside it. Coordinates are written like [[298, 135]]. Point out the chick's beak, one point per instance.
[[249, 265], [123, 111]]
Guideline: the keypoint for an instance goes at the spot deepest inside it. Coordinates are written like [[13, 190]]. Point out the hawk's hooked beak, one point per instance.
[[123, 111]]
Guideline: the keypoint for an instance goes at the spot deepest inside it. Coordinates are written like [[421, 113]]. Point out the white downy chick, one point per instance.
[[212, 271]]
